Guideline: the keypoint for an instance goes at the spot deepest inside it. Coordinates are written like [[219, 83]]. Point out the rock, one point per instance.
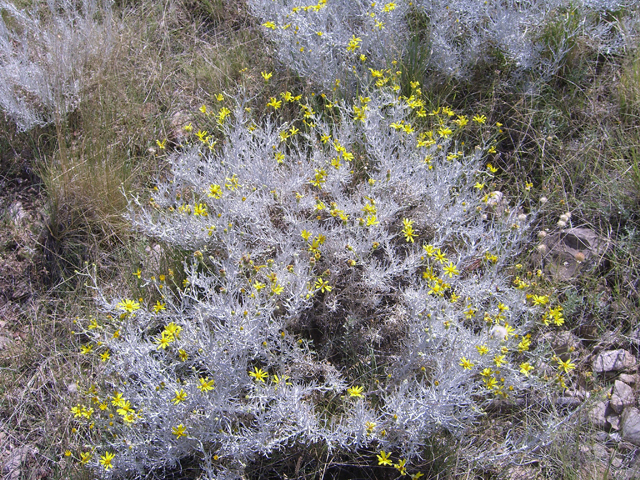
[[568, 402], [597, 414], [631, 425], [4, 341], [613, 360], [568, 252], [629, 379], [616, 462], [14, 461], [577, 393], [613, 420], [562, 343], [621, 396]]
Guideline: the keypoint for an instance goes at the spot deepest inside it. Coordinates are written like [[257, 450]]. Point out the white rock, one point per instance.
[[631, 425], [613, 360], [621, 397]]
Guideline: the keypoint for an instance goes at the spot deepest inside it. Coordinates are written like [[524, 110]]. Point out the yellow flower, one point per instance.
[[524, 344], [179, 431], [266, 76], [499, 360], [128, 306], [354, 43], [540, 299], [487, 372], [159, 306], [451, 270], [206, 384], [164, 341], [275, 103], [117, 400], [85, 457], [482, 349], [525, 368], [480, 119], [383, 458], [445, 132], [106, 459], [407, 230], [466, 364], [355, 391], [222, 115], [322, 285], [181, 396], [441, 257], [161, 144], [258, 374], [270, 25], [566, 365]]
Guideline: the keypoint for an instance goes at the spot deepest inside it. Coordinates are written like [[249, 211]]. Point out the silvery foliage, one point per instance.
[[325, 58], [461, 33], [45, 54], [464, 33], [380, 316]]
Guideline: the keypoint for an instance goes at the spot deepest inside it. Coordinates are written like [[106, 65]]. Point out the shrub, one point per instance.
[[327, 41], [351, 285], [45, 56]]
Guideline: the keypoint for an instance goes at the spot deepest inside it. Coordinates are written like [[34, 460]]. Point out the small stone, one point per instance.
[[13, 463], [613, 420], [613, 360], [597, 414], [628, 378], [568, 402], [577, 393], [621, 397], [562, 343], [631, 425]]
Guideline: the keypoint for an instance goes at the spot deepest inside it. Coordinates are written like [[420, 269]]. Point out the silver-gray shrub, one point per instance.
[[460, 34], [47, 56], [303, 268]]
